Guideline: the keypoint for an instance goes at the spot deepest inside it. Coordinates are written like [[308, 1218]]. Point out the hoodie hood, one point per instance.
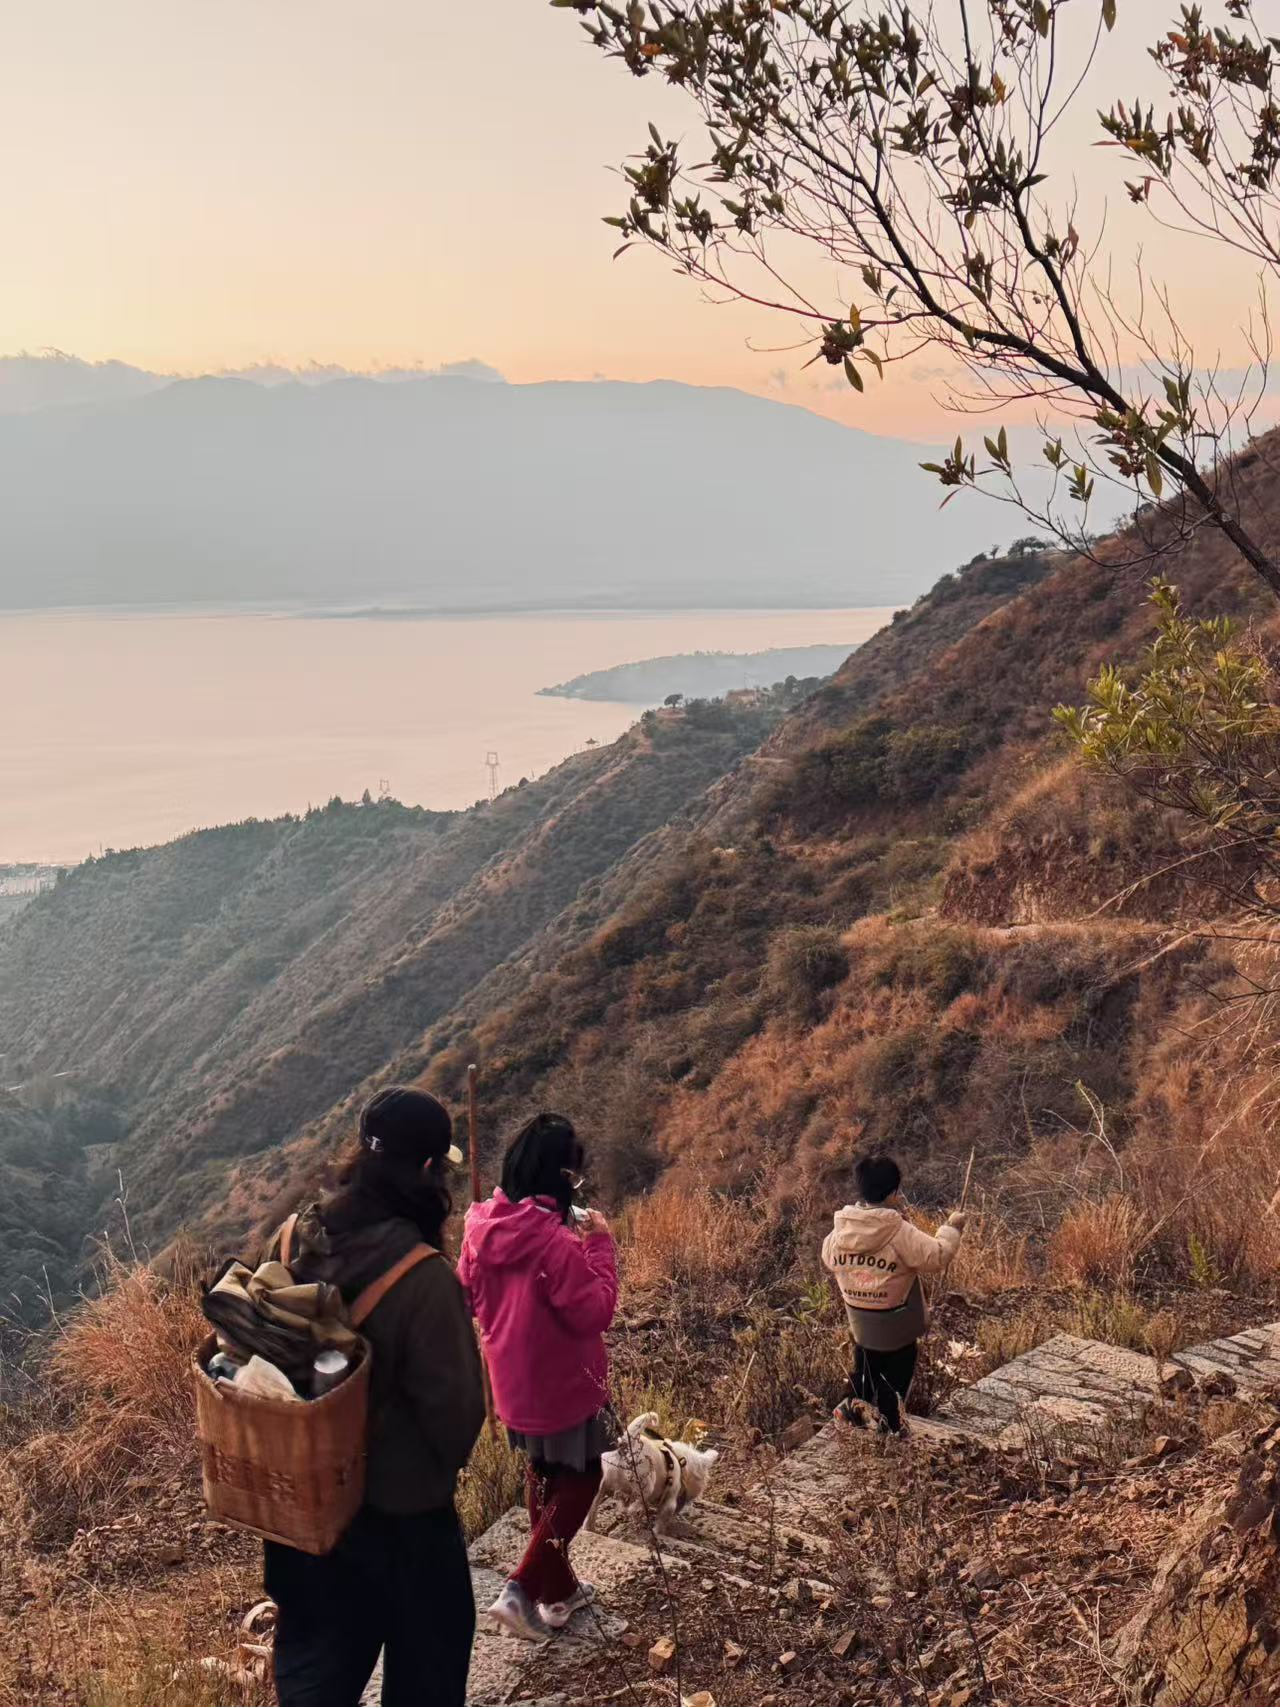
[[503, 1234], [864, 1228], [353, 1256]]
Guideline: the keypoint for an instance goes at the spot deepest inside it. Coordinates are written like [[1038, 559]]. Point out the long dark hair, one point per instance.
[[540, 1159], [378, 1186]]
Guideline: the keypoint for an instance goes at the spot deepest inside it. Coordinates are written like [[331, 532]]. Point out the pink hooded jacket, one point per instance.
[[543, 1297]]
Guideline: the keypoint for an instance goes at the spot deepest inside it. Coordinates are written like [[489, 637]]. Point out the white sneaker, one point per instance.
[[515, 1613], [559, 1612]]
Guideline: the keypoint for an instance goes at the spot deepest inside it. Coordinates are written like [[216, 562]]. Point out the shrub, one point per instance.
[[918, 761], [801, 964], [870, 762]]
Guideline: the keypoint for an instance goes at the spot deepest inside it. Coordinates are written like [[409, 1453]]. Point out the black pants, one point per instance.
[[882, 1379], [400, 1585]]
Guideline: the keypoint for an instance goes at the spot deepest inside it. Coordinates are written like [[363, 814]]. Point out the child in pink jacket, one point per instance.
[[542, 1280]]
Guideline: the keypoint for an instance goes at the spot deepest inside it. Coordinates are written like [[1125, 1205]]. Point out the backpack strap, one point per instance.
[[376, 1291], [286, 1239]]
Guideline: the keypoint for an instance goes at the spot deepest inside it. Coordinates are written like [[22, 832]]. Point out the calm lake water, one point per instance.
[[124, 729]]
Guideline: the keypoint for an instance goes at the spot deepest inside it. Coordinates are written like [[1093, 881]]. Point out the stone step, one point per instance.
[[1251, 1358], [1068, 1384]]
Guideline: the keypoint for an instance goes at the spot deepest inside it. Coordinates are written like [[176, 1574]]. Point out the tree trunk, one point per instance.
[[1209, 1635]]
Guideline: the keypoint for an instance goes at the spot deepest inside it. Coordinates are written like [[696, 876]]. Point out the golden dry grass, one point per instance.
[[690, 1238], [118, 1388], [1099, 1243]]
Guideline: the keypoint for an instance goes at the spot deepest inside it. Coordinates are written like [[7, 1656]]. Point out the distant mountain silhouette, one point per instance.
[[42, 379], [438, 492]]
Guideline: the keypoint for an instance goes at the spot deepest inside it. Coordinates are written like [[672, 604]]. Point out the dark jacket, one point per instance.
[[426, 1401]]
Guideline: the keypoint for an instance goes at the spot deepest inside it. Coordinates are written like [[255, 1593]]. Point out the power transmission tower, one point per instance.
[[491, 760]]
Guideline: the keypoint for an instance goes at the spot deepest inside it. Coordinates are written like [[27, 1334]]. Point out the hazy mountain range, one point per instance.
[[433, 490]]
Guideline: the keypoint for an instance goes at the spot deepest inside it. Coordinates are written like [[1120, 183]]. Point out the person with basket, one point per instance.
[[398, 1581]]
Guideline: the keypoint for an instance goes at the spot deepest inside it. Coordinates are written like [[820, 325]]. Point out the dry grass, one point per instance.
[[1099, 1243], [117, 1376], [491, 1484], [691, 1238], [993, 1258], [162, 1676], [1115, 1318]]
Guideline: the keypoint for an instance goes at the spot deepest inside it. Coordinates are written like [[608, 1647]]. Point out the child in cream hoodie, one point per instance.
[[877, 1257]]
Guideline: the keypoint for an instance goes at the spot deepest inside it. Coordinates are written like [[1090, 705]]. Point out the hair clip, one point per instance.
[[374, 1144]]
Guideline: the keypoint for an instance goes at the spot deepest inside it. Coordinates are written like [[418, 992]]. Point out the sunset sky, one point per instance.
[[192, 187]]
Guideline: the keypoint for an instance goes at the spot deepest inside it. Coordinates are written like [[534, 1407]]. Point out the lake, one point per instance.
[[120, 730]]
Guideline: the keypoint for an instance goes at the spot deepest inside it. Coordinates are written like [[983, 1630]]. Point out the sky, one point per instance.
[[194, 187]]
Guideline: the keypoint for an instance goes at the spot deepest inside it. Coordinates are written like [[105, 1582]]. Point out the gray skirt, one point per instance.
[[575, 1447]]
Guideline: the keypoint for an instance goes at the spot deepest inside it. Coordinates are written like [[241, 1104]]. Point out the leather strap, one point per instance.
[[377, 1290], [286, 1239]]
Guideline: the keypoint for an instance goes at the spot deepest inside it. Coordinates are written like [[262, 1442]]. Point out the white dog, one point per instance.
[[658, 1475]]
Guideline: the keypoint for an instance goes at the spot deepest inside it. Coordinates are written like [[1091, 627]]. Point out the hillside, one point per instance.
[[910, 919], [219, 992], [906, 917], [447, 494], [733, 947]]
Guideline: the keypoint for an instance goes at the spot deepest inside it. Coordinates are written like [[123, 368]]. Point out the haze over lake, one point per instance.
[[122, 730]]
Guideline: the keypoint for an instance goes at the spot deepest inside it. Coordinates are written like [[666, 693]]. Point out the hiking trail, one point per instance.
[[1066, 1385]]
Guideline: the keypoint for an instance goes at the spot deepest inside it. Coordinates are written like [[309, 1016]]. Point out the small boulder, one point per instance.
[[662, 1653]]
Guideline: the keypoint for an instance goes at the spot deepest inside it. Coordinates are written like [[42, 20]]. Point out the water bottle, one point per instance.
[[329, 1368]]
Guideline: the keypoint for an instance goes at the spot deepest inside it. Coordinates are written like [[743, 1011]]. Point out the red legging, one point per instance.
[[558, 1499]]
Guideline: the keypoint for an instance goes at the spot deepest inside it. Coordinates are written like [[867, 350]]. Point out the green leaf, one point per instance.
[[852, 375], [1155, 480], [1109, 14], [1040, 18]]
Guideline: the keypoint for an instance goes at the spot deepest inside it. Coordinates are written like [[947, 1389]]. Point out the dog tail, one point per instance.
[[640, 1423]]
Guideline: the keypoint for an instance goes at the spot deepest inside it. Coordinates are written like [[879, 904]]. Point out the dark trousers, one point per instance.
[[882, 1379], [559, 1501], [396, 1585]]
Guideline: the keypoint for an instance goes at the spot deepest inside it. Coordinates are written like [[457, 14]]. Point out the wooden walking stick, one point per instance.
[[964, 1198], [473, 1156]]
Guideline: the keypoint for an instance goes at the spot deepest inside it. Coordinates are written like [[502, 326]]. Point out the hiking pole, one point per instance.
[[473, 1156]]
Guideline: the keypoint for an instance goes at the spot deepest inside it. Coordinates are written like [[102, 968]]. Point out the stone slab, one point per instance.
[[1251, 1358], [1068, 1383]]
